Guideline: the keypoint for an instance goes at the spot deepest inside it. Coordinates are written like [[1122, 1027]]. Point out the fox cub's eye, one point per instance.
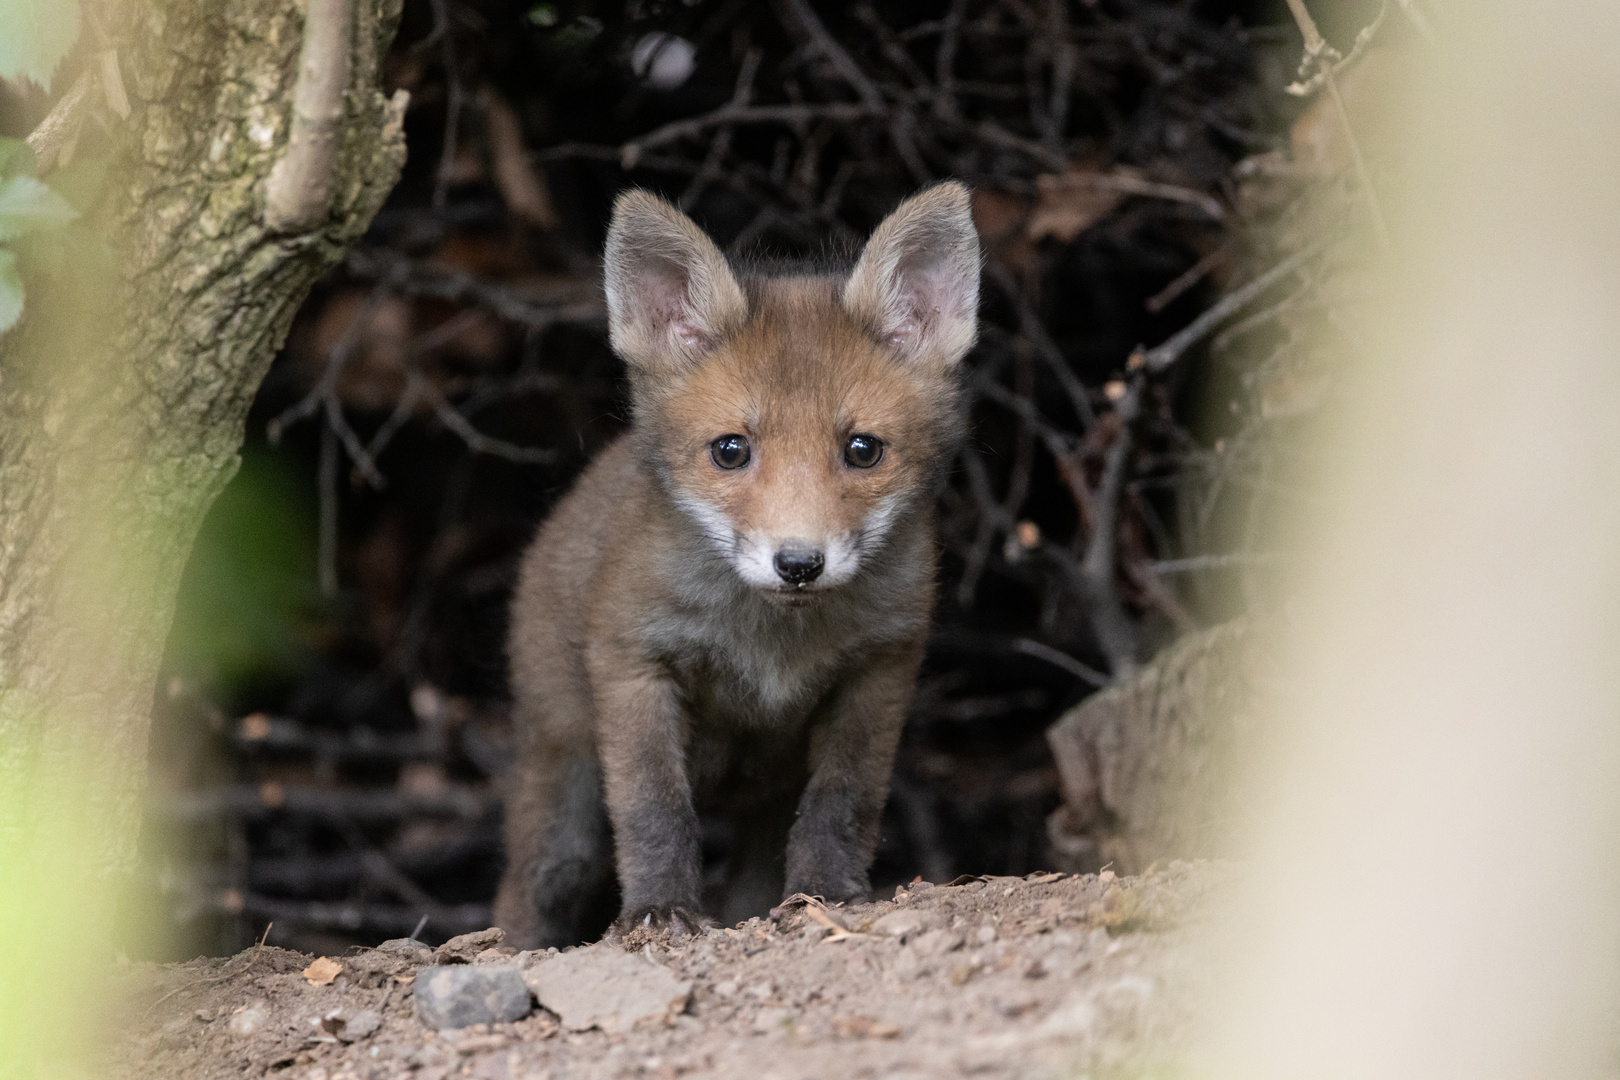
[[729, 451], [863, 451]]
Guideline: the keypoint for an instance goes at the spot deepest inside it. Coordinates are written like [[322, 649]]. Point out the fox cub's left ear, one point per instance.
[[917, 282], [670, 295]]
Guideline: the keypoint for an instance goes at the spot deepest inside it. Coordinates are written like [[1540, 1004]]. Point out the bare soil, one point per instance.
[[996, 977]]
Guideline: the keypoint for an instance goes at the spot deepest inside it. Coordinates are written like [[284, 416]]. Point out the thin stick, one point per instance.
[[945, 63], [1160, 357], [442, 29], [1060, 659], [1190, 277], [1318, 51], [326, 557], [1109, 621], [217, 979], [865, 88], [1357, 51]]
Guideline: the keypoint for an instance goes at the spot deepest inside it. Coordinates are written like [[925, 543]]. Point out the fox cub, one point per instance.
[[728, 611]]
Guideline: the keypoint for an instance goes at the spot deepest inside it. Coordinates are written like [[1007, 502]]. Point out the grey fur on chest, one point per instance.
[[751, 672]]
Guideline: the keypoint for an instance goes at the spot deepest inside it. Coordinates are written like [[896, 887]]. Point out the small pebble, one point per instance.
[[901, 924], [461, 995], [249, 1018], [360, 1025], [769, 1020]]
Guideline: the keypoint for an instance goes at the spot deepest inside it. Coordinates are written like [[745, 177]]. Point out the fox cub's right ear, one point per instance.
[[670, 295]]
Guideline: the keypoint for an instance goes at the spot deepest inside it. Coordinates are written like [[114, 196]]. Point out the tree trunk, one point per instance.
[[124, 391], [1150, 766]]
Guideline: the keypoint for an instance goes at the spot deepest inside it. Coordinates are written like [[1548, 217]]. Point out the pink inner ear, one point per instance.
[[924, 293], [688, 334], [914, 317], [669, 306]]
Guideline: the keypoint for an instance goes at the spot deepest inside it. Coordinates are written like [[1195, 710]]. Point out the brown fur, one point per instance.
[[659, 664]]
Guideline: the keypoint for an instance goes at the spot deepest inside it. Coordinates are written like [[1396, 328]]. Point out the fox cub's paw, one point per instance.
[[833, 888], [658, 924]]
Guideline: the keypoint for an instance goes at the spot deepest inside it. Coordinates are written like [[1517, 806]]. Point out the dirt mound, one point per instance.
[[985, 976]]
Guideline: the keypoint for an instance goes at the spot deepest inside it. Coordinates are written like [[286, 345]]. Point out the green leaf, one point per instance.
[[27, 205], [16, 157], [11, 291], [34, 37]]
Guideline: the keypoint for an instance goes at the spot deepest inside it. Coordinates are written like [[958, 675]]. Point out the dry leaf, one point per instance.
[[322, 971], [863, 1027], [1000, 219], [819, 915], [1070, 204], [965, 879], [522, 186]]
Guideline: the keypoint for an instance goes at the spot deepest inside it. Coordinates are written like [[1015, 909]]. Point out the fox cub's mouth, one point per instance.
[[787, 599], [801, 595]]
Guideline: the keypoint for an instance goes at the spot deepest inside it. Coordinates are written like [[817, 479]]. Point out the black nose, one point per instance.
[[799, 566]]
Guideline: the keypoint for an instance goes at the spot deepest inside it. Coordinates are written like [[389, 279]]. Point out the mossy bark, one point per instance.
[[124, 391]]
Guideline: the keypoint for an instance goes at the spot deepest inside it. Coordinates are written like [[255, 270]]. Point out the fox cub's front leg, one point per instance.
[[831, 845], [655, 828]]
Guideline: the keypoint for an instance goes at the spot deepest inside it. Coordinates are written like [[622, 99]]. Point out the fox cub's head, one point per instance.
[[795, 419]]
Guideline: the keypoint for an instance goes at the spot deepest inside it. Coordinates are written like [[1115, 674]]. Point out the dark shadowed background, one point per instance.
[[332, 726]]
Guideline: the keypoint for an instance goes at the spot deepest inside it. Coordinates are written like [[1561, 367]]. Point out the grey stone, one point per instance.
[[458, 995], [249, 1019], [901, 924], [604, 987], [463, 947], [407, 947], [357, 1027]]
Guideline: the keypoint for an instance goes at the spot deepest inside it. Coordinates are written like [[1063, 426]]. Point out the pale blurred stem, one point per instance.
[[125, 389], [299, 194], [61, 126], [1316, 49]]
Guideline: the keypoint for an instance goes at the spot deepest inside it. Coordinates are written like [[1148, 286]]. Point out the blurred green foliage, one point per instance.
[[28, 208], [34, 37], [251, 579]]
